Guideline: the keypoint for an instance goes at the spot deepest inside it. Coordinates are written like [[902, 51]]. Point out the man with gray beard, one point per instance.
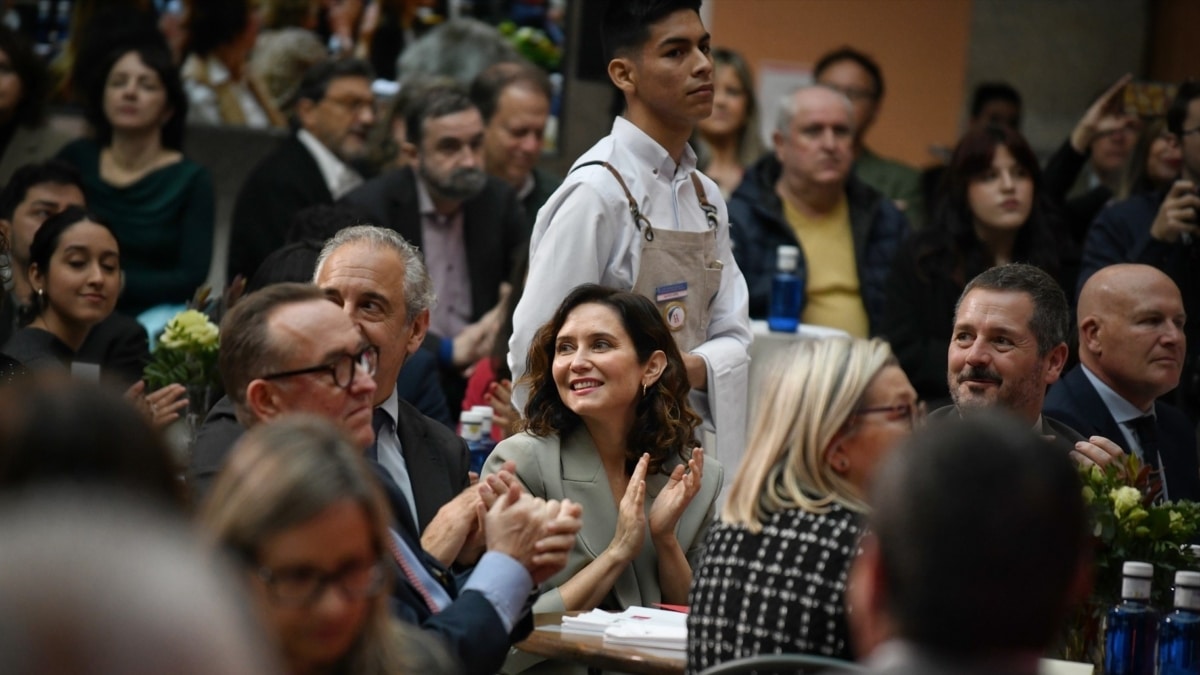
[[468, 225]]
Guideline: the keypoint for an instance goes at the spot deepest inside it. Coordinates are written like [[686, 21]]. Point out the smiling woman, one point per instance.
[[75, 274], [608, 425]]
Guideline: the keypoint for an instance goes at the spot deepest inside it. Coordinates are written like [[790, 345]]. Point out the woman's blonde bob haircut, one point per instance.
[[811, 391], [279, 476]]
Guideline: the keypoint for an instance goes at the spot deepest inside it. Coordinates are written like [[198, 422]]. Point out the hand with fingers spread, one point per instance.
[[1177, 215], [673, 500], [627, 541], [1104, 116]]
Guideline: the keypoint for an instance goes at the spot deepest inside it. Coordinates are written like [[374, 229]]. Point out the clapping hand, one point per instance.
[[631, 515], [673, 500]]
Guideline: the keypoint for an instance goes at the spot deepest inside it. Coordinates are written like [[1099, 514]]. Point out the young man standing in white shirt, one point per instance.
[[634, 213]]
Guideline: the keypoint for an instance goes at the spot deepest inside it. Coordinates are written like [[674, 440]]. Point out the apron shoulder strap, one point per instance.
[[638, 218], [710, 211]]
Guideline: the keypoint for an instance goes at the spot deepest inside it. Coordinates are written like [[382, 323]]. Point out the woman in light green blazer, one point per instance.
[[608, 425]]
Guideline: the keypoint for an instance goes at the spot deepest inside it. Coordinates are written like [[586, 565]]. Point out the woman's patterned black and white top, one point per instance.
[[782, 590]]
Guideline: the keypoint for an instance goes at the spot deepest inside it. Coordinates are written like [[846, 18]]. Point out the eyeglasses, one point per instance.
[[304, 586], [341, 369], [914, 413]]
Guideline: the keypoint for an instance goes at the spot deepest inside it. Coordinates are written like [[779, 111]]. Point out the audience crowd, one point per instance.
[[400, 255]]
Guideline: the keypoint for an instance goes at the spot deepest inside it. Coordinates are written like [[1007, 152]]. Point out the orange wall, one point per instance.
[[1174, 50], [921, 45]]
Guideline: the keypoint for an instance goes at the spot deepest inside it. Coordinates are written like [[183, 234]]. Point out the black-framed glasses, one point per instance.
[[304, 586], [914, 413], [342, 368]]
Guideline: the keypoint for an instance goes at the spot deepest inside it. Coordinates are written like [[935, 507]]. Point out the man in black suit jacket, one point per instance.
[[316, 165], [1131, 352], [286, 349], [469, 226]]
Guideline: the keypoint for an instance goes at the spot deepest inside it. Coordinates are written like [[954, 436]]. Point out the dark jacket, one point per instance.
[[1075, 401], [284, 182], [758, 227], [469, 627]]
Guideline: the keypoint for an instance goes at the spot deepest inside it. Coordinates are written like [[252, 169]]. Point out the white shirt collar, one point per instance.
[[648, 151], [339, 177], [527, 186]]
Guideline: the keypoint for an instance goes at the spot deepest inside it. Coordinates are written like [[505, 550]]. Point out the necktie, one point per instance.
[[1146, 430], [411, 574], [378, 419]]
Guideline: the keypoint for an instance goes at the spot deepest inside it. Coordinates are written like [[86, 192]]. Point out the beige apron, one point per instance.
[[679, 271]]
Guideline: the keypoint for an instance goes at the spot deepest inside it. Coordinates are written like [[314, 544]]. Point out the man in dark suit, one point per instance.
[[1131, 352], [380, 283], [468, 225], [316, 165], [514, 99], [1009, 343], [945, 586], [286, 349]]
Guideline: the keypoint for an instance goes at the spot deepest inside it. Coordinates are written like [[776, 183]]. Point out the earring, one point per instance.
[[643, 390]]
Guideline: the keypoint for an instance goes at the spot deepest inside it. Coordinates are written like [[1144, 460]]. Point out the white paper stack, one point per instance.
[[590, 623], [636, 626]]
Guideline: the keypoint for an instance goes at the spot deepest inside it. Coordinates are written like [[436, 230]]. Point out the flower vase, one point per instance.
[[1083, 641], [200, 401]]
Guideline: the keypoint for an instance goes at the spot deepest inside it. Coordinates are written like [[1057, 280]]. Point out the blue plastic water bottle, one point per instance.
[[1179, 631], [1131, 626], [472, 423], [787, 293]]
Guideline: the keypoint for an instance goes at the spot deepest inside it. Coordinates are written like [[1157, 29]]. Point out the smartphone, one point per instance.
[[1148, 99]]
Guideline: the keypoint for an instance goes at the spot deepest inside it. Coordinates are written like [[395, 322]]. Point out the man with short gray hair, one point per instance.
[[804, 195]]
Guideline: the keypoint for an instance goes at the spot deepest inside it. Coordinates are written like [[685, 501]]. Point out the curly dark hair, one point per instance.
[[664, 424], [950, 246]]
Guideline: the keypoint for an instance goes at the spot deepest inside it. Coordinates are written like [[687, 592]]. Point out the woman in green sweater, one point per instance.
[[159, 203]]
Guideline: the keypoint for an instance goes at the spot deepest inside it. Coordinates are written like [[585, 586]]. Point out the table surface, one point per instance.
[[549, 641]]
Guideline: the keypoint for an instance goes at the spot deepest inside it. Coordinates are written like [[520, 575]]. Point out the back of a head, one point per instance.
[[56, 430], [980, 540], [627, 22], [92, 583], [458, 49]]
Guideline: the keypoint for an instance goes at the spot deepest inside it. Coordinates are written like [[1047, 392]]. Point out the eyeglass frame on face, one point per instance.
[[367, 359], [372, 586], [914, 413]]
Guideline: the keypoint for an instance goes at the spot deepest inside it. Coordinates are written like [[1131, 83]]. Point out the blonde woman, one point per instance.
[[300, 510], [773, 575]]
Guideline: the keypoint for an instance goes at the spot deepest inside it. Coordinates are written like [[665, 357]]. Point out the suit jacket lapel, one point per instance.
[[1092, 408], [405, 212], [397, 503], [422, 459]]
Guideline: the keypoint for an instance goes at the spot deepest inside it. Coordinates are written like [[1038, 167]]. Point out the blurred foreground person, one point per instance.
[[148, 599]]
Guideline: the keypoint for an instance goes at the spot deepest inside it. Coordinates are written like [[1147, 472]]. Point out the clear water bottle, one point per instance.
[[1179, 631], [472, 433], [485, 430], [1131, 626], [787, 293]]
